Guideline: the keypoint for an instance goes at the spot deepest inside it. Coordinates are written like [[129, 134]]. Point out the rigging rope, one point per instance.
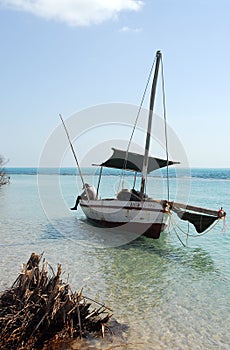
[[135, 123], [165, 126]]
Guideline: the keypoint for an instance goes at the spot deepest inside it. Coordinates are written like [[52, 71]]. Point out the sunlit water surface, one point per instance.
[[165, 295]]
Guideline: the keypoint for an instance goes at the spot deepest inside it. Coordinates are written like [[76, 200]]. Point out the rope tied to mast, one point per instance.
[[165, 126], [164, 118], [136, 121]]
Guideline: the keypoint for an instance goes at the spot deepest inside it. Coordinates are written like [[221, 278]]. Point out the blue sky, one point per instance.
[[64, 56]]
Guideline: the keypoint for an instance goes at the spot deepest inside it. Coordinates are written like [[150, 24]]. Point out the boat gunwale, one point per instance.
[[127, 205]]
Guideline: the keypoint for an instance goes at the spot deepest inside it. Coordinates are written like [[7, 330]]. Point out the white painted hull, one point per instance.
[[148, 218]]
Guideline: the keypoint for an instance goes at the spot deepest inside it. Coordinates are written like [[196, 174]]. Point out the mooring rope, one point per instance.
[[187, 234]]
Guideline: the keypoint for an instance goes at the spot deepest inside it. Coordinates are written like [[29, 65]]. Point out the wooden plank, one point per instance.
[[195, 208]]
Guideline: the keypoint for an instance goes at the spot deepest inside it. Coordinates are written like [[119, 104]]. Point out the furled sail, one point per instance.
[[200, 221], [133, 161]]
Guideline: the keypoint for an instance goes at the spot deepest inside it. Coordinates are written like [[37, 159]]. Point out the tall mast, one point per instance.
[[148, 135]]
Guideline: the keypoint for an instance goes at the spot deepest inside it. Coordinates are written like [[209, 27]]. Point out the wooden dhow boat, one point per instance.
[[132, 210]]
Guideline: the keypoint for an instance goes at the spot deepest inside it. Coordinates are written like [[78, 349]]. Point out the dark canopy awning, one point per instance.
[[134, 161]]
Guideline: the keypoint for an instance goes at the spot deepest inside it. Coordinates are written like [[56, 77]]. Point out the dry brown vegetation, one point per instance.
[[40, 311]]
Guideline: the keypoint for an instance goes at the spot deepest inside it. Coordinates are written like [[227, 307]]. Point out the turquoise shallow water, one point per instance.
[[169, 296]]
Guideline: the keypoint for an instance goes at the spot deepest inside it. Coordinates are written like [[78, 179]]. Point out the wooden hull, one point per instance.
[[147, 218]]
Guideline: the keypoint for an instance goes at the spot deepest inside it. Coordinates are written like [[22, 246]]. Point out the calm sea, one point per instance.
[[167, 295]]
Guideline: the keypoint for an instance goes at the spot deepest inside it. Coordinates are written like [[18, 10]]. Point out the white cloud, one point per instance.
[[128, 29], [75, 12]]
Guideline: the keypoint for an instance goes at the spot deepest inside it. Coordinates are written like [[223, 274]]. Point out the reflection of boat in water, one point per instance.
[[133, 211]]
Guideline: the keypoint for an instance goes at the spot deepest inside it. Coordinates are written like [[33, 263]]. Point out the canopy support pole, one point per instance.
[[134, 180], [99, 179]]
